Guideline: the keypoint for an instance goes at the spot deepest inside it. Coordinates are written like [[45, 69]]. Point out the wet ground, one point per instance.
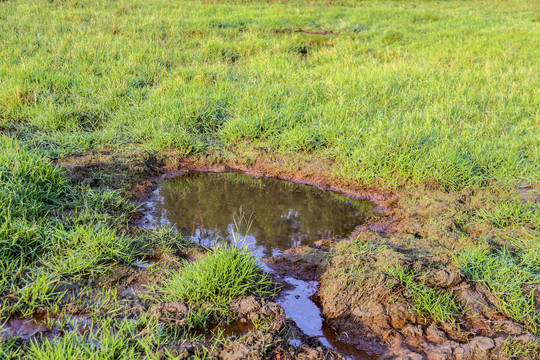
[[420, 228], [43, 325], [269, 217]]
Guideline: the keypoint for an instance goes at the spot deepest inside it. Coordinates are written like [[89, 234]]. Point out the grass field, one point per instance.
[[394, 92], [390, 93]]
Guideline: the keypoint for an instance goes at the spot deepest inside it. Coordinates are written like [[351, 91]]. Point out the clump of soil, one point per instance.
[[276, 336], [301, 262], [369, 307], [295, 344]]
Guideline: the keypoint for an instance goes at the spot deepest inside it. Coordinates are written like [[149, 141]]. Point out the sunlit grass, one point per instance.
[[387, 92], [517, 349], [511, 282], [429, 302], [390, 93], [51, 229], [528, 254], [512, 212], [210, 284], [109, 339]]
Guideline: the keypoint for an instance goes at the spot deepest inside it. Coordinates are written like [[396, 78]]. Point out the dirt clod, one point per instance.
[[445, 278], [173, 312], [253, 309], [302, 262]]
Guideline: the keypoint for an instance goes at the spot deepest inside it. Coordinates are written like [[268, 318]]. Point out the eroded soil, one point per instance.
[[419, 227]]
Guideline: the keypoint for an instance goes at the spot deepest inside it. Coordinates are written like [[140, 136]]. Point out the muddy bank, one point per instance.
[[278, 338], [418, 212], [372, 311], [420, 228], [139, 171]]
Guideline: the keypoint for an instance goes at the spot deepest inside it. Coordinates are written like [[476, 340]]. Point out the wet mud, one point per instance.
[[361, 306], [44, 325]]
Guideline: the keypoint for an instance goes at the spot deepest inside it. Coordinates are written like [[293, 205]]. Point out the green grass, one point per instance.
[[360, 248], [397, 91], [114, 338], [210, 285], [41, 211], [36, 292], [51, 229], [89, 249], [512, 212], [528, 251], [111, 339], [388, 92], [512, 282], [429, 302], [517, 349]]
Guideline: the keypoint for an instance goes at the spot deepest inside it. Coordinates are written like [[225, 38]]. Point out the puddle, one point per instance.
[[282, 214], [237, 328], [42, 325], [305, 312], [234, 329], [23, 327], [349, 351]]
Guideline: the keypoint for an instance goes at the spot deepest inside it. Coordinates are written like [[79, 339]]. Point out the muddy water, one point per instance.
[[43, 325], [268, 216]]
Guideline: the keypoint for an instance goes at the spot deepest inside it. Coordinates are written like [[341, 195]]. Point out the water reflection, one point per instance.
[[283, 214]]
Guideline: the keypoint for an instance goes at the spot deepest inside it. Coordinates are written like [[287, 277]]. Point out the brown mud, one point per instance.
[[43, 325], [420, 227], [305, 31], [375, 311], [139, 172], [302, 262]]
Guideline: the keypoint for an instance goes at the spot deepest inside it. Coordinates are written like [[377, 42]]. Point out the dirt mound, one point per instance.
[[255, 345], [253, 309], [361, 300], [175, 312], [301, 262]]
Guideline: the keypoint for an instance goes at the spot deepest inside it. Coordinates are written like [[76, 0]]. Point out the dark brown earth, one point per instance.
[[419, 226], [248, 342], [305, 31], [302, 262]]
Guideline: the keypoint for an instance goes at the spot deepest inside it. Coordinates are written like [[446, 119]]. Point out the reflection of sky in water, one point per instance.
[[298, 306], [283, 214]]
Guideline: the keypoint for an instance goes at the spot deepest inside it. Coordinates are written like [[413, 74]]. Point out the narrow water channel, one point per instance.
[[212, 207]]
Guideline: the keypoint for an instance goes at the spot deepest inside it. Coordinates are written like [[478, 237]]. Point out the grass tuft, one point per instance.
[[210, 284], [512, 213], [512, 283], [368, 247], [429, 302], [516, 349]]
